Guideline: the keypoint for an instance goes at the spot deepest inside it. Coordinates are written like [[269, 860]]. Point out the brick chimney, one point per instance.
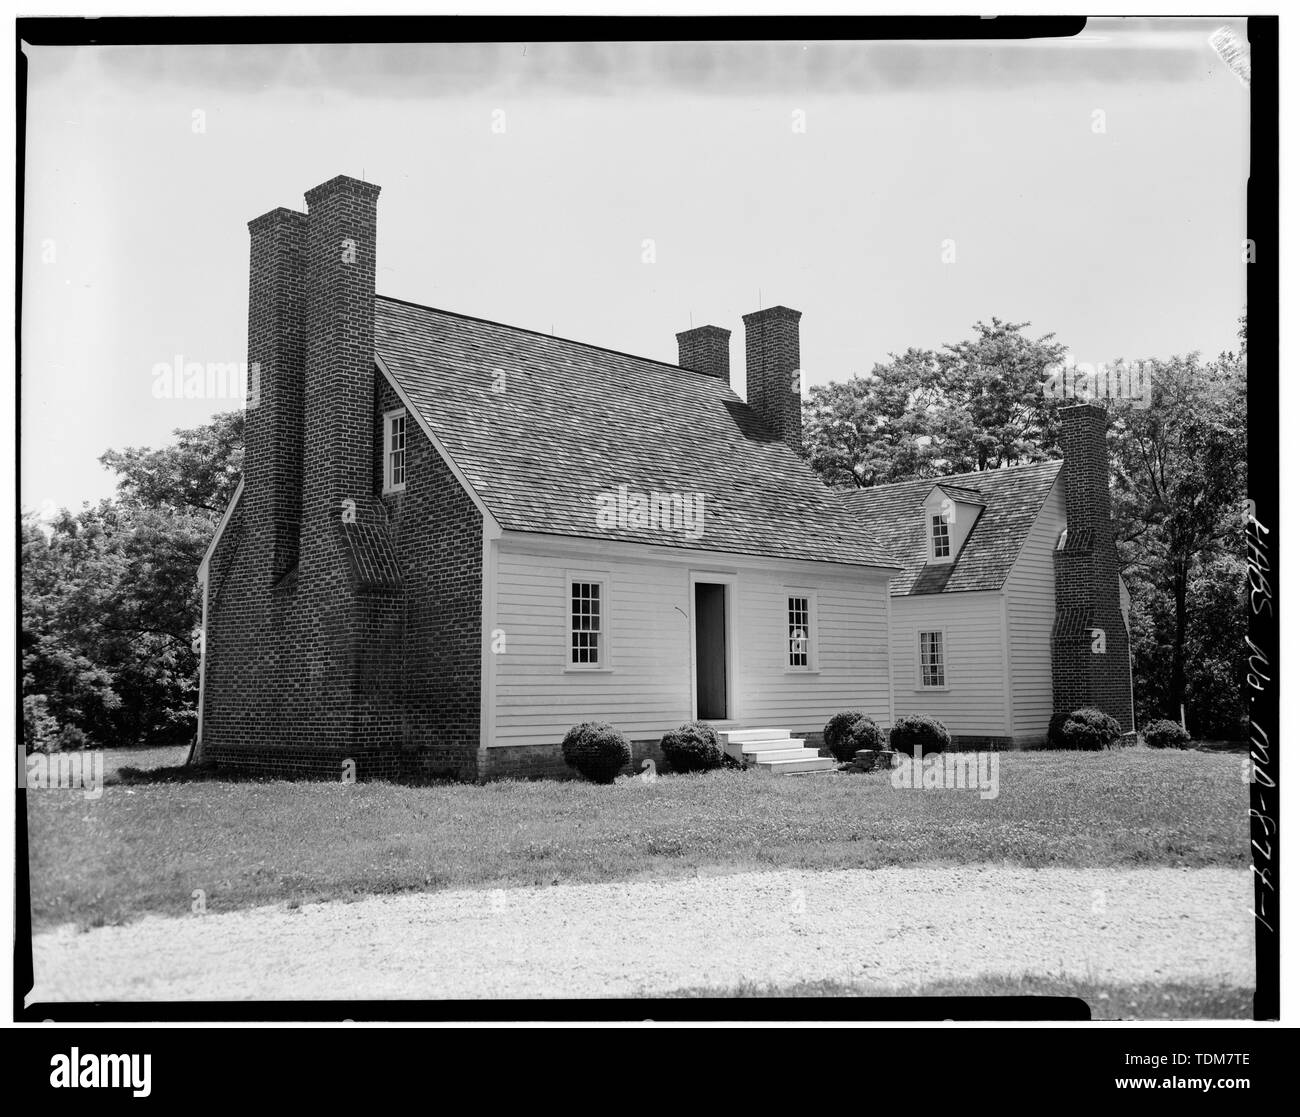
[[706, 349], [273, 420], [340, 349], [772, 370], [349, 585], [1090, 648]]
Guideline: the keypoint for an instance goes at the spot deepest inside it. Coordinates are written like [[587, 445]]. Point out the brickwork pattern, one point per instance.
[[1087, 579], [771, 364], [706, 349]]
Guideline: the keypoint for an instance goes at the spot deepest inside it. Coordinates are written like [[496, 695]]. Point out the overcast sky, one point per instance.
[[1124, 242]]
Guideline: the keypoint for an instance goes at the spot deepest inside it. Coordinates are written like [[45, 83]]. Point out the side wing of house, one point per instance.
[[649, 637], [1030, 592], [950, 663]]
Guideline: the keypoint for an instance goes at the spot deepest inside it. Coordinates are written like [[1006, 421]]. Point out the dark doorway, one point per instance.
[[710, 651]]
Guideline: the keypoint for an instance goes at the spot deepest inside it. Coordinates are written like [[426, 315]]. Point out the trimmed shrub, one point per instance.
[[836, 735], [917, 729], [865, 734], [596, 750], [1055, 737], [692, 747], [1085, 728], [1165, 734]]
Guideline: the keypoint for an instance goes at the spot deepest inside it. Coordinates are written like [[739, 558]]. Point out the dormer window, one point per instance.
[[948, 516], [940, 542]]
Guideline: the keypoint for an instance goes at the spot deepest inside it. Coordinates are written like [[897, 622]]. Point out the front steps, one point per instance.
[[773, 751]]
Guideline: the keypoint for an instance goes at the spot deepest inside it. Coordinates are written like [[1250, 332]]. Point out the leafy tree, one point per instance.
[[1180, 483], [110, 600], [976, 404], [198, 473], [875, 429]]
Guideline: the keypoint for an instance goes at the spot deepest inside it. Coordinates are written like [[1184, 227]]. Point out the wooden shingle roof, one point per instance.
[[541, 427], [1012, 499]]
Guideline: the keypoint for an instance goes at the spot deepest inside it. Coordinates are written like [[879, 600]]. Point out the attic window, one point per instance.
[[939, 537], [395, 451]]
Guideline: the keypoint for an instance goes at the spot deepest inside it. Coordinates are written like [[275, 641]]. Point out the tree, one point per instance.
[[995, 411], [977, 404], [197, 474], [110, 602], [875, 429], [1180, 484]]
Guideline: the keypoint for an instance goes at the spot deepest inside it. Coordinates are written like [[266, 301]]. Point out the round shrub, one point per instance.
[[1056, 731], [597, 751], [1084, 728], [692, 747], [917, 729], [864, 734], [836, 734], [1165, 734]]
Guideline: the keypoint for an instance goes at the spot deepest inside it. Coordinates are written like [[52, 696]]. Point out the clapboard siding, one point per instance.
[[1031, 610], [974, 660], [648, 688]]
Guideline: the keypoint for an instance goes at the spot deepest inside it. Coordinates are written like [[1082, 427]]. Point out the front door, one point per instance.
[[711, 651]]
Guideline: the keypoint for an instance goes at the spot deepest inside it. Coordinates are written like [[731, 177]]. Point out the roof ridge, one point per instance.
[[538, 333]]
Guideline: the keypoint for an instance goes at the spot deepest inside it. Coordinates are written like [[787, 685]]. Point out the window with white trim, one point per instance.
[[395, 451], [586, 624], [932, 668], [940, 541], [799, 622]]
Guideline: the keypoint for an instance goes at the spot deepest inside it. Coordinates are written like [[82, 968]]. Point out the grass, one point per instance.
[[1147, 1000], [144, 846]]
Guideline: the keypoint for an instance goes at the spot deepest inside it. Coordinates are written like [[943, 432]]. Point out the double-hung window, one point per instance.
[[394, 451], [931, 661], [587, 606]]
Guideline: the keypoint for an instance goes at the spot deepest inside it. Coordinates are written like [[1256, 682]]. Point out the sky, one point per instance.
[[895, 193]]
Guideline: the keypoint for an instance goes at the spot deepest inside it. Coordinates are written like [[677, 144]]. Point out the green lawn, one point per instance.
[[146, 846]]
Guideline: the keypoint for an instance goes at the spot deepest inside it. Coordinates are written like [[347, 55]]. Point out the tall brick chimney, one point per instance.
[[772, 370], [706, 349], [1090, 648], [349, 586], [273, 420], [340, 349]]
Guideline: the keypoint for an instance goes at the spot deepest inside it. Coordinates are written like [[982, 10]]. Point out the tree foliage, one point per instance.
[[110, 603], [972, 405]]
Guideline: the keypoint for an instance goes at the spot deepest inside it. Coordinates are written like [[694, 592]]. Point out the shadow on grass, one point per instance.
[[210, 773]]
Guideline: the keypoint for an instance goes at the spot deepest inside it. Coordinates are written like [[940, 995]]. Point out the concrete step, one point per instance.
[[784, 744], [768, 756], [740, 736], [797, 767]]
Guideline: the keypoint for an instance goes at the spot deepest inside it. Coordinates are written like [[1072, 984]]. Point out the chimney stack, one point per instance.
[[340, 349], [706, 349], [772, 371], [273, 418], [1090, 646]]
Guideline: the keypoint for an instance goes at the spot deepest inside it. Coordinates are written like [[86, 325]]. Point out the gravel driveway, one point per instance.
[[891, 926]]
